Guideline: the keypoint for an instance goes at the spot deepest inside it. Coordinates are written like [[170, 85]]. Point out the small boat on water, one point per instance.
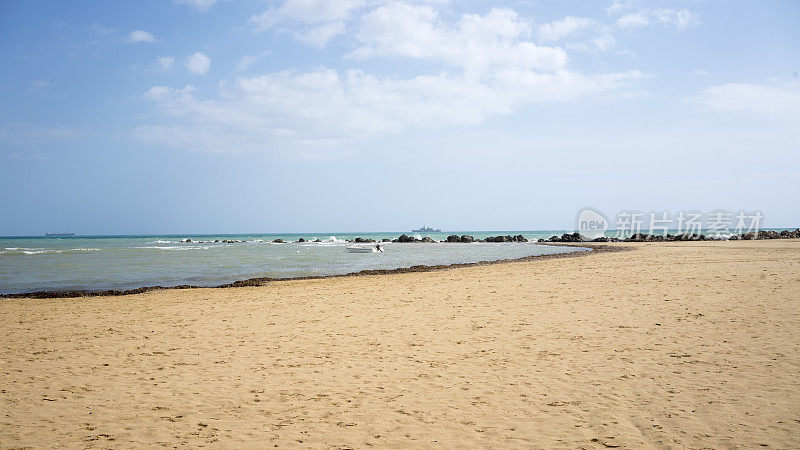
[[355, 249]]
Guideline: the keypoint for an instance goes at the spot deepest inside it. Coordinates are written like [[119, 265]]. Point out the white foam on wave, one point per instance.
[[38, 251], [173, 247], [323, 244], [27, 251], [42, 251]]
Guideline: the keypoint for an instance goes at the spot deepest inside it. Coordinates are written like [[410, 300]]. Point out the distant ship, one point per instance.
[[59, 234], [425, 229]]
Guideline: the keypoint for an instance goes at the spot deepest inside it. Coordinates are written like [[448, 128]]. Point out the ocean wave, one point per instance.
[[173, 247], [28, 251], [43, 251], [324, 244]]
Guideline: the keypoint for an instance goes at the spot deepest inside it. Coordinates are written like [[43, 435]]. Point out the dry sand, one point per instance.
[[667, 345]]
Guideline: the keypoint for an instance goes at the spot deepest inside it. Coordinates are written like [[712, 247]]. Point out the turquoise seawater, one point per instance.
[[125, 262]]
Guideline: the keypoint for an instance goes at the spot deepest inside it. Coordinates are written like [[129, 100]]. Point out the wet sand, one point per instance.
[[671, 344]]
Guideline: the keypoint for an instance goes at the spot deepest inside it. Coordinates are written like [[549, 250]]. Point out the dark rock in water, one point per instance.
[[404, 238], [520, 238], [689, 237], [500, 239], [216, 240], [364, 241], [317, 240], [540, 240], [453, 238], [188, 241], [769, 234], [600, 239], [574, 237], [386, 240], [301, 240], [467, 239], [278, 241], [428, 240], [637, 237]]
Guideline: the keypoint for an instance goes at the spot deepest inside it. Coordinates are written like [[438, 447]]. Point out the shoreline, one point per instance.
[[260, 281], [689, 345]]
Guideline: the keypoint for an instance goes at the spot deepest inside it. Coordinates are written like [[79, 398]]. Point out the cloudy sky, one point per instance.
[[234, 116]]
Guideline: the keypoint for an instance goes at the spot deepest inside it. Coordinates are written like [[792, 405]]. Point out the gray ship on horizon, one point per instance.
[[425, 229]]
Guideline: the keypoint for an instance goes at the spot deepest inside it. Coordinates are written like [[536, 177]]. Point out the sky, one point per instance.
[[247, 116]]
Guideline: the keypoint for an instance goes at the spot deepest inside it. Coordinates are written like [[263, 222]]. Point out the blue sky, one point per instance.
[[310, 115]]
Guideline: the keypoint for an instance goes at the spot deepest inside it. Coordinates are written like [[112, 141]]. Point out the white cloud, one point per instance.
[[633, 20], [319, 20], [248, 60], [779, 101], [318, 11], [700, 72], [200, 5], [103, 30], [292, 111], [166, 62], [137, 36], [565, 27], [604, 42], [198, 63], [676, 18], [320, 36], [476, 42], [480, 66], [619, 5]]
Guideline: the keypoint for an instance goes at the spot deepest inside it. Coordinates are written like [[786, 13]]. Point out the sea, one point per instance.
[[96, 263], [38, 263]]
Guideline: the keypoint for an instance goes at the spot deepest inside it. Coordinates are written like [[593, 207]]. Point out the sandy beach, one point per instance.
[[686, 344]]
